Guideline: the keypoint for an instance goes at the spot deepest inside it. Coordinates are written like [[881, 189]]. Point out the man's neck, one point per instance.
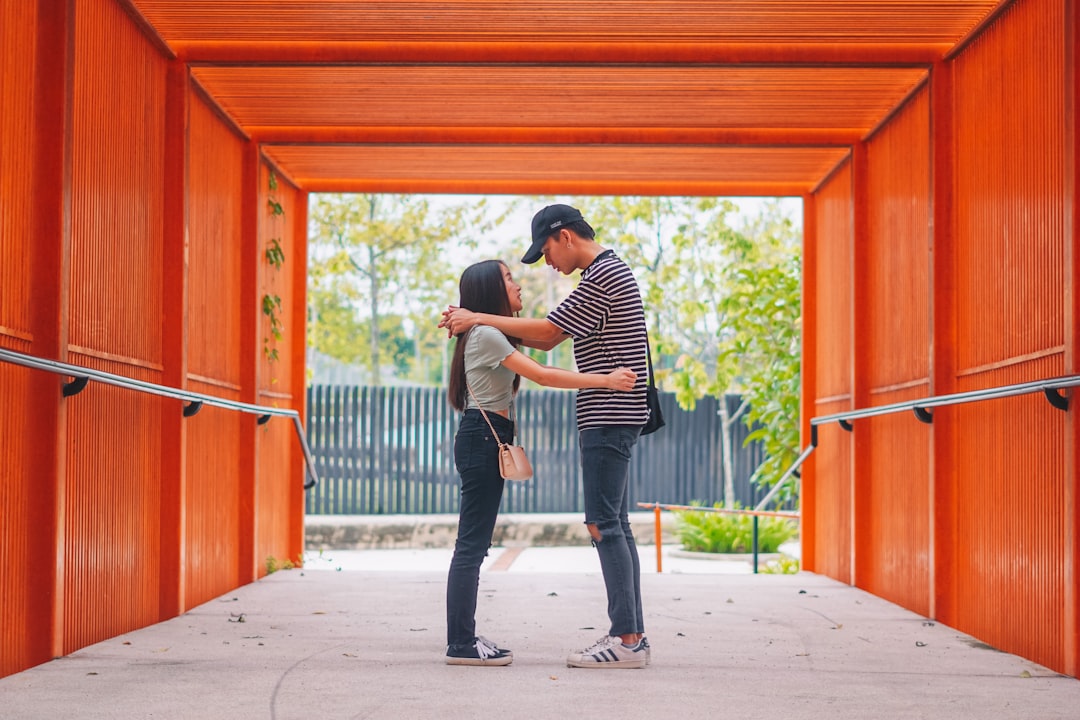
[[588, 253]]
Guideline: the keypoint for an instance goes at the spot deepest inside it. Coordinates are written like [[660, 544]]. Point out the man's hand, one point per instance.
[[457, 320]]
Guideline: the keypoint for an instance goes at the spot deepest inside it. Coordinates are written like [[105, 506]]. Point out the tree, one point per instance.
[[723, 307], [375, 256]]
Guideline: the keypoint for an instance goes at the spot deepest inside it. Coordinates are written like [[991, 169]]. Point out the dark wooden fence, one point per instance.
[[390, 450]]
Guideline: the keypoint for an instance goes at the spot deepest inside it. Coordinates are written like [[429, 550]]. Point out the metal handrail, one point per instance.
[[1050, 387], [755, 514], [195, 401]]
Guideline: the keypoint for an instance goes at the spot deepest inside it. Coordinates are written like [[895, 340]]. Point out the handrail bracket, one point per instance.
[[923, 414], [1057, 398], [76, 386]]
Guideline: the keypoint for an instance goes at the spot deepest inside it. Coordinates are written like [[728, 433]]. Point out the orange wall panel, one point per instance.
[[117, 189], [833, 498], [893, 558], [895, 561], [1010, 248], [1010, 521], [898, 247], [275, 489], [279, 464], [16, 228], [275, 375], [212, 509], [17, 25], [112, 505], [832, 459], [1009, 198], [214, 218], [17, 494]]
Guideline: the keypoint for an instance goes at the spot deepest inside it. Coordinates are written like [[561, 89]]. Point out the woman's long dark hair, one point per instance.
[[482, 289]]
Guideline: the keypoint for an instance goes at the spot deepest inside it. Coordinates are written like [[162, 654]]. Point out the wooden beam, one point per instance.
[[560, 52], [553, 187], [50, 180], [362, 134], [861, 501], [1072, 337], [173, 566], [808, 374], [942, 339]]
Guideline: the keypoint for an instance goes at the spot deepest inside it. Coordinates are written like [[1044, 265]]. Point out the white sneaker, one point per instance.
[[609, 652]]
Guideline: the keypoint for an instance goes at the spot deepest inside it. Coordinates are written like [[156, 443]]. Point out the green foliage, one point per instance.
[[275, 256], [273, 565], [723, 307], [379, 257], [715, 532], [784, 565], [274, 253]]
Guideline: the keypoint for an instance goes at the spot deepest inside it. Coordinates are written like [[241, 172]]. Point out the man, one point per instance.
[[605, 317]]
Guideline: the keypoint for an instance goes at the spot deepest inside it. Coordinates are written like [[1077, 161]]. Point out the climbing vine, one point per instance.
[[275, 256]]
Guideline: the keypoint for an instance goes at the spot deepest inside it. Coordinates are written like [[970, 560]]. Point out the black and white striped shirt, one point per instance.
[[605, 316]]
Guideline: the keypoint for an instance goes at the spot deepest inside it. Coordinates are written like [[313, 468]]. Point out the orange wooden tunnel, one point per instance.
[[151, 150]]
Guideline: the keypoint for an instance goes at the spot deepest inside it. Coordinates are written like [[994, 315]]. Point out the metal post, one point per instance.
[[756, 518], [659, 554]]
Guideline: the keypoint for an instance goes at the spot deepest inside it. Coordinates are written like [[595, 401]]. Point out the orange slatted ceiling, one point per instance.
[[595, 96], [766, 21], [16, 94], [449, 74], [502, 169], [1010, 239]]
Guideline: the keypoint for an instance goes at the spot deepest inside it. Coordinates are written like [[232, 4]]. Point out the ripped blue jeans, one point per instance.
[[605, 463]]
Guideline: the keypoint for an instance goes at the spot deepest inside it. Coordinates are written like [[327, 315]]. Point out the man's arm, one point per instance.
[[539, 333]]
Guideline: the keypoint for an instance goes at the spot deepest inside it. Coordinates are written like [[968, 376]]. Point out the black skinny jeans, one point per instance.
[[476, 456]]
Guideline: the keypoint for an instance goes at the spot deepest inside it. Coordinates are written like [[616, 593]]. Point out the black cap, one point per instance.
[[546, 222]]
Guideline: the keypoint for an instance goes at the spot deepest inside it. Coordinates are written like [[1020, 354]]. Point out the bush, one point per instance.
[[717, 532], [783, 566]]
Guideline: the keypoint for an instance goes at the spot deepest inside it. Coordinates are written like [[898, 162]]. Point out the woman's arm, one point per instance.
[[621, 379]]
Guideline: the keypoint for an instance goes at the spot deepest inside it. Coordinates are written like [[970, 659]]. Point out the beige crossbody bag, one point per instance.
[[513, 463]]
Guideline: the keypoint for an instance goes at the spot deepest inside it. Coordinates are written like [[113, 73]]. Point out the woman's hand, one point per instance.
[[621, 379]]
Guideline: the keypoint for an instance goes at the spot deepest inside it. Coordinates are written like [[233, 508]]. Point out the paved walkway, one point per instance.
[[366, 641]]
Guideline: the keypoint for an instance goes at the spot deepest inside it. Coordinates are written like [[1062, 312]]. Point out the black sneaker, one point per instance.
[[479, 652]]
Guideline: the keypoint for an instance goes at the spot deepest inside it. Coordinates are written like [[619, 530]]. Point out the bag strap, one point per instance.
[[486, 419], [648, 356]]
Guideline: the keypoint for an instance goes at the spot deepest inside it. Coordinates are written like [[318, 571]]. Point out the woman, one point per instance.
[[485, 373]]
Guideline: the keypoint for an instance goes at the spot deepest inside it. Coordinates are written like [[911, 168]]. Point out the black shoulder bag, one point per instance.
[[652, 399]]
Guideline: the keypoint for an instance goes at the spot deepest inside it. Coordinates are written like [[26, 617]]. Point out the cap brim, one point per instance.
[[536, 251]]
